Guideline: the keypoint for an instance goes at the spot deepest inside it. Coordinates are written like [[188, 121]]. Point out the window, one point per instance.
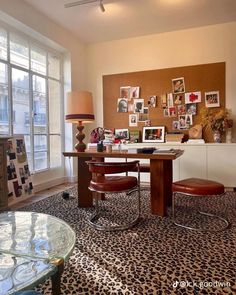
[[30, 98]]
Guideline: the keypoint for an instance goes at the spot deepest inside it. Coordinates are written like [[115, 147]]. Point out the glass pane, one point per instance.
[[38, 60], [19, 51], [4, 111], [55, 151], [28, 151], [54, 107], [40, 152], [39, 105], [53, 66], [20, 95], [3, 44]]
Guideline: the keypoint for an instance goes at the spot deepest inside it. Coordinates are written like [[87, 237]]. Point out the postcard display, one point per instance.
[[18, 174], [164, 97]]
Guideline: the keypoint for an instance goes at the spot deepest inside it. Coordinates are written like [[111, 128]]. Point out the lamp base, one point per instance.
[[80, 146]]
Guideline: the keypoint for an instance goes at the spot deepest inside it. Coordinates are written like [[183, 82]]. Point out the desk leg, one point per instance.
[[85, 198], [161, 185]]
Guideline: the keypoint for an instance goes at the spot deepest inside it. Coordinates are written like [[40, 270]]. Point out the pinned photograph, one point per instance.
[[178, 99], [143, 116], [21, 151], [212, 99], [134, 92], [125, 92], [138, 105], [122, 105], [147, 123], [172, 112], [191, 108], [130, 107], [181, 109], [166, 112], [133, 120], [170, 101], [182, 122], [152, 101], [178, 85], [175, 125], [188, 120], [164, 100], [193, 97]]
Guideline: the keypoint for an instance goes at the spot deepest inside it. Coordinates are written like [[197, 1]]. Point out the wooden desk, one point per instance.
[[161, 176]]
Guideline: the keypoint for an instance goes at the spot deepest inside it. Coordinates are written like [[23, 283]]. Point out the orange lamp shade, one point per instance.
[[79, 107]]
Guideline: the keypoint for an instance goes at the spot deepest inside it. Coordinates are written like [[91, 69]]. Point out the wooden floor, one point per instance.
[[41, 195]]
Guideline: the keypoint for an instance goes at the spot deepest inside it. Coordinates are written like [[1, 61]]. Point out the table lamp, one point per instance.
[[79, 109]]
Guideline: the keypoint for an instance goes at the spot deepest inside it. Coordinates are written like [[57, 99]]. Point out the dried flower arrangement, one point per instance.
[[217, 121]]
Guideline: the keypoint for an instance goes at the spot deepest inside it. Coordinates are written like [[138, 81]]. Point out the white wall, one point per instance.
[[180, 48], [42, 28]]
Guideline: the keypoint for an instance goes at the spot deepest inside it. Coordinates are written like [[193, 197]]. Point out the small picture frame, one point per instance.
[[212, 99], [175, 125], [193, 97], [122, 133], [153, 134], [133, 120], [172, 112], [178, 85], [178, 99], [122, 105]]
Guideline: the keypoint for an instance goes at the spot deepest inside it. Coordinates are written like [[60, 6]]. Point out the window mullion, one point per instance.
[[47, 118], [31, 119], [10, 99]]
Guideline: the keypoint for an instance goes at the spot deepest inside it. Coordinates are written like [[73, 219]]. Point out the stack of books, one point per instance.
[[175, 137]]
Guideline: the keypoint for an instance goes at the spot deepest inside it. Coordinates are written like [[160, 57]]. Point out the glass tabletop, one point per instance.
[[19, 273], [35, 235]]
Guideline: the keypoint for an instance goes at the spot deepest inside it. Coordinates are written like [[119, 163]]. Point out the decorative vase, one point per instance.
[[228, 135], [217, 136]]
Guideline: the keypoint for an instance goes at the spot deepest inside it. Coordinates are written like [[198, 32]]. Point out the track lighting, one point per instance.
[[82, 2]]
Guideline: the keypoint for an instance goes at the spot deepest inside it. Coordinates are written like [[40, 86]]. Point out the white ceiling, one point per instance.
[[131, 18]]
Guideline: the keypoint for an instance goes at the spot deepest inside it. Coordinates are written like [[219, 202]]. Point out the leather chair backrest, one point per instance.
[[110, 168]]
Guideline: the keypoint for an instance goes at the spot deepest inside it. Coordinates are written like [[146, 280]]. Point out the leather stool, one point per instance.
[[196, 187]]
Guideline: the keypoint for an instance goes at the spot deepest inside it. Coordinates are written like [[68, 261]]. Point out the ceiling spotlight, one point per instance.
[[101, 6]]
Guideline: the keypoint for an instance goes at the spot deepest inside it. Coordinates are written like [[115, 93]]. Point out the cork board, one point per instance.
[[203, 78]]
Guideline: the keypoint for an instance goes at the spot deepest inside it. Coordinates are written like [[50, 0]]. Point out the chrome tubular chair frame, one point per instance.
[[96, 215], [226, 222]]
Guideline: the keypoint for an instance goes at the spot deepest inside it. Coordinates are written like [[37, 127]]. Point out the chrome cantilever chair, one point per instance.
[[102, 183], [196, 188]]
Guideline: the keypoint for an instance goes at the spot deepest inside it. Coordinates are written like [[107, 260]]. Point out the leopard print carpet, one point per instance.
[[154, 257]]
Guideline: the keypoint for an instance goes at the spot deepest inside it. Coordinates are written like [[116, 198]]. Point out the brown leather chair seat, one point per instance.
[[198, 187], [102, 182], [113, 183]]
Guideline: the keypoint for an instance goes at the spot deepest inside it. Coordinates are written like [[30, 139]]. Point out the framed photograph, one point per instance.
[[164, 100], [133, 120], [181, 109], [154, 134], [212, 99], [122, 105], [166, 112], [182, 122], [134, 92], [193, 97], [122, 133], [125, 92], [170, 101], [172, 112], [138, 105], [152, 101], [178, 85]]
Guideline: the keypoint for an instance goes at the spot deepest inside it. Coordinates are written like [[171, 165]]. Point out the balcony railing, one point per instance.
[[39, 119]]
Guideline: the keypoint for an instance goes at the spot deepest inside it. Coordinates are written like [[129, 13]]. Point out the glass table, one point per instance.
[[33, 247]]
